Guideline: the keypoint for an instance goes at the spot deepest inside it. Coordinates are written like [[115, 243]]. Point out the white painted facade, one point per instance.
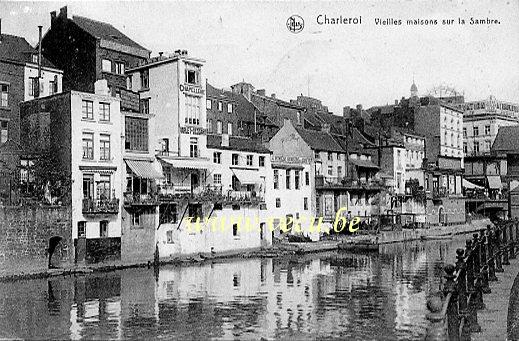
[[451, 132], [103, 169], [50, 83]]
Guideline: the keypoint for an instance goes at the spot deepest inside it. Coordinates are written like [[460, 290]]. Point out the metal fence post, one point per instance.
[[453, 320], [504, 246], [484, 262], [436, 330], [491, 255], [462, 292], [497, 246]]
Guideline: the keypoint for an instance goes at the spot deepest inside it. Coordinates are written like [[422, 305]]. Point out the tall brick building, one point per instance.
[[88, 50]]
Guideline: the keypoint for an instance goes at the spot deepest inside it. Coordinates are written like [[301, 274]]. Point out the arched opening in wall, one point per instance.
[[54, 251], [441, 216]]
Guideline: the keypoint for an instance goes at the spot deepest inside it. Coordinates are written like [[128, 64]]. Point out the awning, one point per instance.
[[494, 182], [247, 176], [364, 163], [469, 185], [187, 163], [286, 166], [144, 169]]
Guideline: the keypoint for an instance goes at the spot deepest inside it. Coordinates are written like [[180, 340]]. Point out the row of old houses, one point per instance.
[[141, 146]]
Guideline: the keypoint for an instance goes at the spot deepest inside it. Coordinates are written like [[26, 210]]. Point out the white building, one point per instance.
[[172, 91]]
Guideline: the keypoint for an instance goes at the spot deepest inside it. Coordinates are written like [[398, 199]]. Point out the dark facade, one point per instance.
[[80, 47]]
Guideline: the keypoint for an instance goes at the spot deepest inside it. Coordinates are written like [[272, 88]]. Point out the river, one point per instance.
[[372, 296]]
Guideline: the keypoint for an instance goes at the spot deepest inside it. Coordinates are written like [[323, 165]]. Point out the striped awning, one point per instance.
[[187, 163], [144, 169], [247, 176]]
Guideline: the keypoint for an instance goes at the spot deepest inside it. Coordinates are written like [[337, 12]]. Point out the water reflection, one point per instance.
[[343, 295]]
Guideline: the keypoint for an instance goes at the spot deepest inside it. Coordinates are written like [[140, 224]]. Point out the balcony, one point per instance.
[[244, 196], [335, 182], [138, 199], [173, 193], [100, 206]]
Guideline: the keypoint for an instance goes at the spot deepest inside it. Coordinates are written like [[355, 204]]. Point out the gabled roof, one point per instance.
[[17, 49], [319, 140], [507, 140], [238, 143], [105, 31]]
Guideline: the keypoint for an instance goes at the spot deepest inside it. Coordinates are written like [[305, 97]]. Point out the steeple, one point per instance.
[[414, 89]]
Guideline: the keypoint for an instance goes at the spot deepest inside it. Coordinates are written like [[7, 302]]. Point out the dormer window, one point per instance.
[[192, 74], [35, 58]]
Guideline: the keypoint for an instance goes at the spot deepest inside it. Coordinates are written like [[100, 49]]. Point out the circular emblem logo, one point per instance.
[[295, 24]]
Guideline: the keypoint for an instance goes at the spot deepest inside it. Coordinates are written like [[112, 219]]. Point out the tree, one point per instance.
[[51, 178]]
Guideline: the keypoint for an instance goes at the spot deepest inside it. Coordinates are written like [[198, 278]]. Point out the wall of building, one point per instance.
[[453, 208], [26, 233], [47, 76], [487, 128], [427, 123]]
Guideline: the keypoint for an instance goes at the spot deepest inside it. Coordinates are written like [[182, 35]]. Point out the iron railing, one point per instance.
[[453, 310]]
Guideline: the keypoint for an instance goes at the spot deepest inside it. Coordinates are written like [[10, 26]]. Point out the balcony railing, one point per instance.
[[322, 181], [207, 193], [100, 206], [135, 199]]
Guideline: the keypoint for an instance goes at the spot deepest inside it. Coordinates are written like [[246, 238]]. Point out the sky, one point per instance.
[[342, 65]]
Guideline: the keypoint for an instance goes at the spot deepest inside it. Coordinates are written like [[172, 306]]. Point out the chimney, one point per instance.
[[396, 102], [184, 52], [273, 95], [325, 127], [359, 108], [63, 12], [261, 92], [225, 140], [160, 54], [39, 51], [101, 87], [346, 112]]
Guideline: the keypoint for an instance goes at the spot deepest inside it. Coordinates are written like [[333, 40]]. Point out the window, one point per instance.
[[276, 179], [234, 159], [136, 218], [87, 110], [81, 229], [487, 130], [316, 154], [4, 131], [220, 106], [296, 179], [192, 74], [4, 95], [487, 145], [169, 237], [217, 157], [103, 228], [330, 156], [209, 125], [88, 146], [53, 86], [339, 171], [104, 147], [307, 178], [278, 202], [235, 230], [452, 140], [464, 132], [229, 108], [229, 128], [305, 204], [249, 160], [287, 179], [145, 79], [144, 106], [330, 170], [88, 186], [217, 179], [218, 127], [103, 187], [193, 109], [129, 82], [168, 214], [119, 68], [476, 147], [193, 147], [106, 64], [208, 104], [476, 131], [261, 161], [104, 112], [136, 133]]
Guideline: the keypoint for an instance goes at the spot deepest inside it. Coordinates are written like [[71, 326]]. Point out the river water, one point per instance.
[[371, 296]]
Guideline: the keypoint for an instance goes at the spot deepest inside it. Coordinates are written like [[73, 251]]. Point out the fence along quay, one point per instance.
[[453, 311]]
